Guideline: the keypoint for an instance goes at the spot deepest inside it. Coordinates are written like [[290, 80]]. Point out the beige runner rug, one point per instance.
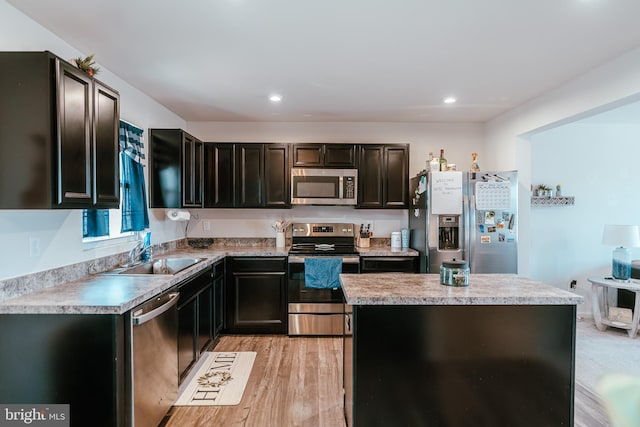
[[220, 380]]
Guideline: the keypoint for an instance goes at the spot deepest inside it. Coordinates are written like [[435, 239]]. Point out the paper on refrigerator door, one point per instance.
[[446, 193], [493, 196]]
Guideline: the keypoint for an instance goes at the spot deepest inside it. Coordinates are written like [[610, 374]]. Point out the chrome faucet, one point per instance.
[[135, 254]]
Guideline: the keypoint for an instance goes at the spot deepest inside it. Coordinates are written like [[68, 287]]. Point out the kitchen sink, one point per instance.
[[163, 266]]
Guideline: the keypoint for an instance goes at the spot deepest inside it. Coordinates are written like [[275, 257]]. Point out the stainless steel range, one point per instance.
[[319, 310]]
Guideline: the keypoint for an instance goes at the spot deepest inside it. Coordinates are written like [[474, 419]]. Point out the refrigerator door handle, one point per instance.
[[470, 227]]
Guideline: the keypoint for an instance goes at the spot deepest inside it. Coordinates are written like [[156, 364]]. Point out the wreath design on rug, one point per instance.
[[215, 378]]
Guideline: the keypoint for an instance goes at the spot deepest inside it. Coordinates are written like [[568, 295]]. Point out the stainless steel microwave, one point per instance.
[[311, 186]]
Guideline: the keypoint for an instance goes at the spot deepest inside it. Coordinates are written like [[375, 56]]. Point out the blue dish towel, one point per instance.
[[322, 273]]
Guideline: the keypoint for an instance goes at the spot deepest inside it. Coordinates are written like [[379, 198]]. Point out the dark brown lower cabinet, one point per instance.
[[76, 359], [256, 295], [459, 365], [195, 320]]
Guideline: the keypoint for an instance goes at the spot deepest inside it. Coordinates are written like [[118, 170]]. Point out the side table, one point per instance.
[[599, 289]]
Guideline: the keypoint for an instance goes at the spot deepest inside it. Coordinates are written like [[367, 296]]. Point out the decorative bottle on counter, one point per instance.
[[443, 161]]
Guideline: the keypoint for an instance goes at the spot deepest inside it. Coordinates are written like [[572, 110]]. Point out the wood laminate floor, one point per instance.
[[298, 382], [294, 382]]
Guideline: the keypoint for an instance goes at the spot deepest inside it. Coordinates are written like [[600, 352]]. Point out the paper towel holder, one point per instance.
[[178, 215]]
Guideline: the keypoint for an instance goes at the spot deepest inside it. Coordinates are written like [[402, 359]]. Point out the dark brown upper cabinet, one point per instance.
[[247, 175], [383, 176], [324, 155], [176, 169], [219, 175], [59, 135]]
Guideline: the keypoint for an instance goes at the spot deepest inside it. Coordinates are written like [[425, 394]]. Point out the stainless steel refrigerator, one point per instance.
[[468, 216]]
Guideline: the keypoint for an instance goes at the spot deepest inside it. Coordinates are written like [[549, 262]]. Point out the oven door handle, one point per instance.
[[345, 260]]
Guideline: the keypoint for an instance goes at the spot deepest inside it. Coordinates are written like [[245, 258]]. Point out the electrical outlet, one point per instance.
[[34, 246], [206, 225]]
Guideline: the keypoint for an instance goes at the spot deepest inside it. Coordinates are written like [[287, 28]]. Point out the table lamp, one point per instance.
[[622, 237]]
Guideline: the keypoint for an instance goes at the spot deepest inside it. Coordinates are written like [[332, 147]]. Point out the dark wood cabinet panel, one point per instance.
[[192, 163], [219, 175], [195, 320], [59, 132], [307, 155], [106, 146], [256, 295], [75, 115], [175, 169], [340, 156], [383, 180], [218, 298], [250, 172], [396, 177], [324, 155], [370, 176], [277, 176]]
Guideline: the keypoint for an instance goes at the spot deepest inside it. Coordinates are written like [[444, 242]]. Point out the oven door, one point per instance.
[[316, 311], [298, 293]]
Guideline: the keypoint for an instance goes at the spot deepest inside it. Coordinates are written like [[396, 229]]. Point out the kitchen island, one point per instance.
[[498, 352]]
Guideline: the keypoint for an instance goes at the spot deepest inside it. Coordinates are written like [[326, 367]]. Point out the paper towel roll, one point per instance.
[[178, 215]]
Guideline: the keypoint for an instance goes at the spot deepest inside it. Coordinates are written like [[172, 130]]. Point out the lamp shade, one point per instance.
[[627, 236]]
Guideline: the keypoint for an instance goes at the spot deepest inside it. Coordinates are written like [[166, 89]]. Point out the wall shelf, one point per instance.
[[553, 201]]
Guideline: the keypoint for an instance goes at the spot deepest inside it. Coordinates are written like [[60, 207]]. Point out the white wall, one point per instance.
[[541, 140], [458, 141], [60, 232]]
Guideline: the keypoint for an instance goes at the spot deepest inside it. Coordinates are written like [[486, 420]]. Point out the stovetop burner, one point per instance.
[[323, 239]]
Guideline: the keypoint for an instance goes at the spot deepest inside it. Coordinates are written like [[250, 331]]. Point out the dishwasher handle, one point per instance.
[[142, 318]]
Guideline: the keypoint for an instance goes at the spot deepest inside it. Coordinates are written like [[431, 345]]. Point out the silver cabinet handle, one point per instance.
[[173, 300]]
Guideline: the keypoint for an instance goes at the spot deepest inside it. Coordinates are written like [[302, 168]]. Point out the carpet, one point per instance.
[[220, 379]]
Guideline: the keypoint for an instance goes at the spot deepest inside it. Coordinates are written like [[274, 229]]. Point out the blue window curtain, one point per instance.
[[95, 222], [135, 216]]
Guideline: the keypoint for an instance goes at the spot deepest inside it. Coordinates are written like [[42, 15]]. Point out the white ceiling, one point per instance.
[[343, 60]]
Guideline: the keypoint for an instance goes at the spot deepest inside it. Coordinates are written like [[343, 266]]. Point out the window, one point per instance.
[[132, 216]]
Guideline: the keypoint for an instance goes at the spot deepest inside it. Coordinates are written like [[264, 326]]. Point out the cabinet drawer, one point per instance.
[[258, 264], [388, 264]]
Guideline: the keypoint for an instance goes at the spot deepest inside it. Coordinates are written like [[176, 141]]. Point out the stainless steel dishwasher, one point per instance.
[[154, 350]]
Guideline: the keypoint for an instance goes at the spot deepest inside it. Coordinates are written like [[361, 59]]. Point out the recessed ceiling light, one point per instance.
[[275, 98], [449, 100]]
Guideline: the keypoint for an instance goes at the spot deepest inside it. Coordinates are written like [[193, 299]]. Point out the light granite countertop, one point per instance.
[[425, 289], [117, 294]]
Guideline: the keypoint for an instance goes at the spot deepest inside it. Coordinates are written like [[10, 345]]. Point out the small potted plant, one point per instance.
[[87, 65], [543, 191]]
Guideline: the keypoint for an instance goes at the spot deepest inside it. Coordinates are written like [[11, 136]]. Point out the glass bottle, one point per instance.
[[435, 164], [429, 160], [443, 161]]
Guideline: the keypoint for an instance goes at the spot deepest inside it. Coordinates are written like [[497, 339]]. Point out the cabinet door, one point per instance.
[[192, 162], [219, 175], [396, 177], [276, 176], [187, 321], [250, 170], [106, 175], [256, 295], [340, 156], [307, 155], [74, 145], [165, 162], [218, 299], [205, 318], [370, 176]]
